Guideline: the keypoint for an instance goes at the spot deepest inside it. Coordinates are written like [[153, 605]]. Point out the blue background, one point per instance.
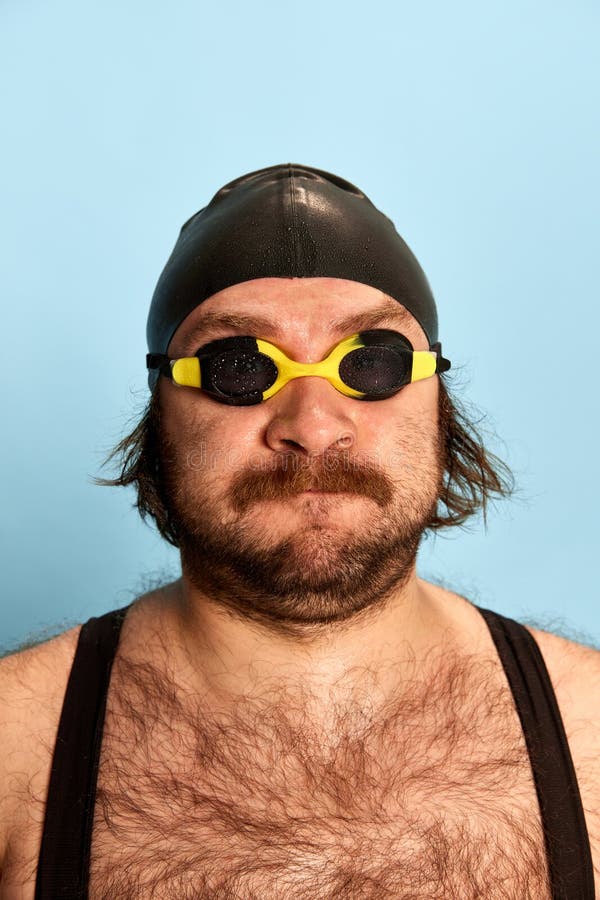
[[474, 127]]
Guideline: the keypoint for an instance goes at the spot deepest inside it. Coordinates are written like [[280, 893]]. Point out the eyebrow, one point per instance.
[[259, 325]]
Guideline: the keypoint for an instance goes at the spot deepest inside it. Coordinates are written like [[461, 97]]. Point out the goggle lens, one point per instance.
[[239, 373], [376, 370]]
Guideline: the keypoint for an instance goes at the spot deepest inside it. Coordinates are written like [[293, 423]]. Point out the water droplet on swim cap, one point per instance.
[[285, 221]]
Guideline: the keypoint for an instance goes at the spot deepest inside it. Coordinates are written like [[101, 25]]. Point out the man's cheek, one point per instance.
[[196, 458]]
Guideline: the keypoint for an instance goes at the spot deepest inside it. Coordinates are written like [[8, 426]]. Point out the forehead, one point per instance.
[[296, 309]]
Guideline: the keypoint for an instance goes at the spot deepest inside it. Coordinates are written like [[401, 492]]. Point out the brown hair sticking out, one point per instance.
[[472, 474]]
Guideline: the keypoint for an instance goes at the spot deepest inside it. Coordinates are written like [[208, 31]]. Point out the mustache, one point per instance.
[[289, 475]]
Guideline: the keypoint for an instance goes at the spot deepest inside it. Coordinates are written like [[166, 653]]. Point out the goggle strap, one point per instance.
[[159, 361], [442, 364]]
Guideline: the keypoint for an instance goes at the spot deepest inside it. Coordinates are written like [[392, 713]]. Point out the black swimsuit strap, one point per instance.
[[565, 832], [66, 842]]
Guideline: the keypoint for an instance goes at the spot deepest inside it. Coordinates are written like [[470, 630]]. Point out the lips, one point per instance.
[[316, 491]]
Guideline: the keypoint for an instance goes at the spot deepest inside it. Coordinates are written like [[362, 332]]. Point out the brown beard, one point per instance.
[[318, 574]]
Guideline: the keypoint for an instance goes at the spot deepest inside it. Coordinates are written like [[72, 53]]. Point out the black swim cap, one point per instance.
[[285, 221]]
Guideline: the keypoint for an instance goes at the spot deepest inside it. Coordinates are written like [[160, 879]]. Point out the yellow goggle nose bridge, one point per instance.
[[188, 371], [328, 368]]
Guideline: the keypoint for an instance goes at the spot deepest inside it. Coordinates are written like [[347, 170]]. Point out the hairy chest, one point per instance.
[[431, 798]]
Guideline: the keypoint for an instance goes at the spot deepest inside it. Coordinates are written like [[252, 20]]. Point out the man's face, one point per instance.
[[309, 506]]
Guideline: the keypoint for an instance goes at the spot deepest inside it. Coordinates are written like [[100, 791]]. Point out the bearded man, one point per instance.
[[300, 715]]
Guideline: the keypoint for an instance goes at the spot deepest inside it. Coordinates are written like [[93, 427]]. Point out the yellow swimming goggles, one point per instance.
[[242, 370]]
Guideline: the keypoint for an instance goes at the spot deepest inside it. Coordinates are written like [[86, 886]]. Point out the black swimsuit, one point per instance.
[[63, 867]]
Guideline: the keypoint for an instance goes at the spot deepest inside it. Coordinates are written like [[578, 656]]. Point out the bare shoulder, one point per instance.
[[32, 686], [574, 670], [29, 674]]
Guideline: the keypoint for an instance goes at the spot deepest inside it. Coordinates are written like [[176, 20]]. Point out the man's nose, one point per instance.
[[311, 415]]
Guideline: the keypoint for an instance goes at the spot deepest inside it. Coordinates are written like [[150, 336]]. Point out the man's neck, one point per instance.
[[324, 671]]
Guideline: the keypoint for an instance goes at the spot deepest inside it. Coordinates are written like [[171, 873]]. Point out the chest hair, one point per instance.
[[430, 797]]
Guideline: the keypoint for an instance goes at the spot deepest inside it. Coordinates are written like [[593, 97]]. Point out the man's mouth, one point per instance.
[[319, 491]]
